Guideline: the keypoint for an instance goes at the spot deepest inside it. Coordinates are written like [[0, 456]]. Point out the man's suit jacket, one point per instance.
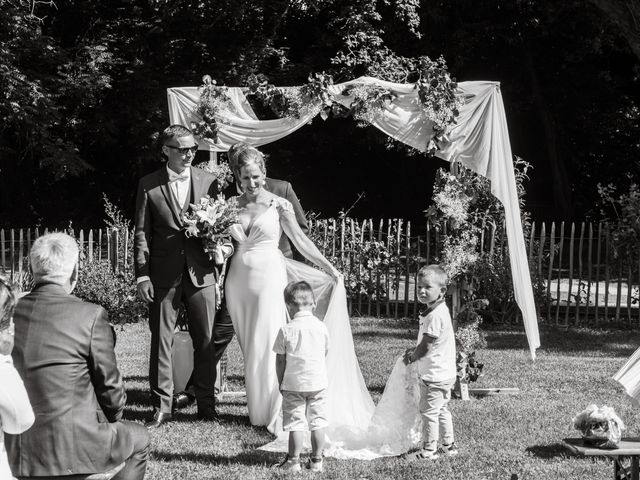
[[161, 248], [64, 353], [283, 189]]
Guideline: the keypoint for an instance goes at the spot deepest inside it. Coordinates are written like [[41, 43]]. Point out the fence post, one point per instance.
[[579, 296], [552, 251], [415, 282], [90, 245], [598, 271], [398, 266], [2, 247], [20, 254], [569, 293], [606, 273], [13, 255], [125, 250], [407, 272], [559, 271]]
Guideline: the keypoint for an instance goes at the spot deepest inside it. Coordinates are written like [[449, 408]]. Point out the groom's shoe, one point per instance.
[[208, 413], [181, 400], [159, 418]]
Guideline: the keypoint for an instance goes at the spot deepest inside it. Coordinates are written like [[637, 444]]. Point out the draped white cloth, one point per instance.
[[480, 141], [629, 377]]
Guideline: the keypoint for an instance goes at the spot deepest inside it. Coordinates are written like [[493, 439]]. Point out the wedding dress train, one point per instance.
[[254, 291]]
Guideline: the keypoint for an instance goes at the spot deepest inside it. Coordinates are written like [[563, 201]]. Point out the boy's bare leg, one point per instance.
[[296, 440], [318, 440]]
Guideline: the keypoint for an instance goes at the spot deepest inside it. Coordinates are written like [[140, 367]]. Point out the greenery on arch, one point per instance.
[[436, 90]]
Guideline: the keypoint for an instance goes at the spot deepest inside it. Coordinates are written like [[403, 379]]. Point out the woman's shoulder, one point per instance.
[[282, 204]]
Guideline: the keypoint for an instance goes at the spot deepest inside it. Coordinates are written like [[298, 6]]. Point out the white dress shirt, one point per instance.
[[179, 184]]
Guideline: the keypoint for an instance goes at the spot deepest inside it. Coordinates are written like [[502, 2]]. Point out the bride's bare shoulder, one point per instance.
[[282, 204]]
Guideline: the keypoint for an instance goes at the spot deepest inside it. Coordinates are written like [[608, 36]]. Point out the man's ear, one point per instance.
[[73, 280]]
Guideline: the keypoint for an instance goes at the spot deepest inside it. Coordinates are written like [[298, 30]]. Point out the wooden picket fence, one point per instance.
[[580, 280]]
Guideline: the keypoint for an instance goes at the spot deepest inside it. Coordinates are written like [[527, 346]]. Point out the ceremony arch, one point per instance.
[[479, 140]]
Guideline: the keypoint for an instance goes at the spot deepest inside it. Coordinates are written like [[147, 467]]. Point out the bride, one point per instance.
[[254, 289], [256, 280]]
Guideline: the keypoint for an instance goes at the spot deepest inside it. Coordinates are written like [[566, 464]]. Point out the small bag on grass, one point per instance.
[[600, 426]]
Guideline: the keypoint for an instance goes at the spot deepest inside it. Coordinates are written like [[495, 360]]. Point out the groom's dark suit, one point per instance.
[[179, 269]]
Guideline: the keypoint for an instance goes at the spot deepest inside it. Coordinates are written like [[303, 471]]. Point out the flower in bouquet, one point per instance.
[[210, 219], [600, 426]]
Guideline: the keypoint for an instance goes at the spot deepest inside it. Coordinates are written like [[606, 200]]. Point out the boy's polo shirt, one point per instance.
[[439, 364], [305, 343]]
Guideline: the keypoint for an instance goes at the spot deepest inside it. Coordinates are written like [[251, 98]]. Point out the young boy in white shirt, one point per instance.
[[301, 347], [435, 355]]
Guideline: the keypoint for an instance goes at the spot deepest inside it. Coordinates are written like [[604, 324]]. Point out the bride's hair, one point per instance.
[[241, 154]]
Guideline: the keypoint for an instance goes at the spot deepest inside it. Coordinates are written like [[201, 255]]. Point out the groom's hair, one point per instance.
[[53, 258], [299, 294], [7, 304]]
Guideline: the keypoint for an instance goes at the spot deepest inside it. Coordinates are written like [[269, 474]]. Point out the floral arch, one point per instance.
[[479, 139]]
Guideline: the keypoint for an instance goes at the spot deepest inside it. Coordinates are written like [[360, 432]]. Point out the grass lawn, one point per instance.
[[506, 437]]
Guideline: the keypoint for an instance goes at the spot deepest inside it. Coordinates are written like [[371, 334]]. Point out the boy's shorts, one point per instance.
[[298, 408]]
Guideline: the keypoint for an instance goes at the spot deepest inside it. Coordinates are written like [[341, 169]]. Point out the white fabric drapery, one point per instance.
[[480, 141]]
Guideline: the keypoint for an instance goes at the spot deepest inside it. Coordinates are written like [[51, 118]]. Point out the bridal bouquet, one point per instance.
[[211, 219], [600, 426]]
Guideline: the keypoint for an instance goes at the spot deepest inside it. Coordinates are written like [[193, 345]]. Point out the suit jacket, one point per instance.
[[161, 248], [64, 353], [283, 189]]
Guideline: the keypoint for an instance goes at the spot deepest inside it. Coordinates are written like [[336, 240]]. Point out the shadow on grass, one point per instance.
[[254, 457], [373, 334], [576, 341], [547, 452]]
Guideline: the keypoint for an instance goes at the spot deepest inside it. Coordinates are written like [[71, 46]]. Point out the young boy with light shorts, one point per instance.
[[435, 355], [301, 347]]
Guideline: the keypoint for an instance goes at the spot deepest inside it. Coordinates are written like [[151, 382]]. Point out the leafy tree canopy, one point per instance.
[[84, 86]]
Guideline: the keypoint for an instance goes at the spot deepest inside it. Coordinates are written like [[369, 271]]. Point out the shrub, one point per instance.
[[115, 290]]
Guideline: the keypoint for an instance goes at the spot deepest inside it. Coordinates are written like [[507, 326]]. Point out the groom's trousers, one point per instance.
[[206, 330]]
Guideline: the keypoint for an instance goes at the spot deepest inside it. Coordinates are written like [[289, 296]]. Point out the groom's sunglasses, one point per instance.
[[184, 150]]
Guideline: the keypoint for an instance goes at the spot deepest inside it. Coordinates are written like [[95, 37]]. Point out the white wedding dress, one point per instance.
[[254, 291]]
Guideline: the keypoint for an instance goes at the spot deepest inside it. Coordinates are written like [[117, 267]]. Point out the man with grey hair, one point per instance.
[[64, 351]]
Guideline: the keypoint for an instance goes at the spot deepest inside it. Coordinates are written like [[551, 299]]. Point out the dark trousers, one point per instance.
[[136, 465], [224, 335], [205, 332]]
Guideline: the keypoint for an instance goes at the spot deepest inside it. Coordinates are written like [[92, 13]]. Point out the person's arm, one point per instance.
[[304, 245], [301, 218], [281, 364], [142, 237], [103, 369], [16, 414], [415, 354], [281, 360]]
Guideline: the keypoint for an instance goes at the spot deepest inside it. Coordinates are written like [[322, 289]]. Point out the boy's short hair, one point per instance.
[[436, 272], [299, 294]]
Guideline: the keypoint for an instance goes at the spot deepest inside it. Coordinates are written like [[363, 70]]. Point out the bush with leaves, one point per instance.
[[115, 290], [361, 261], [619, 207], [464, 202]]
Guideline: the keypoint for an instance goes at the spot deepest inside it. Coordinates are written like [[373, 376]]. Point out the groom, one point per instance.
[[171, 268]]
